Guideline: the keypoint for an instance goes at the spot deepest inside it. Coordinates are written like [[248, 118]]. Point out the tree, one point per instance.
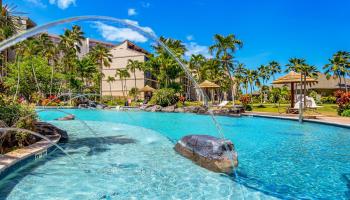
[[134, 65], [278, 94], [8, 27], [224, 48], [195, 64], [252, 77], [110, 80], [274, 68], [264, 74], [104, 58], [123, 74], [338, 67], [86, 68]]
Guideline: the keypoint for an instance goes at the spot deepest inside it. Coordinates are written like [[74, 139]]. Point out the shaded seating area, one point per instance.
[[296, 83], [210, 89]]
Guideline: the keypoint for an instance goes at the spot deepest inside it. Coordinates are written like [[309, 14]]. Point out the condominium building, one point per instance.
[[122, 53]]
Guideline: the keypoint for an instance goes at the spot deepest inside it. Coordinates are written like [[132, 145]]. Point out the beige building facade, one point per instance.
[[122, 53]]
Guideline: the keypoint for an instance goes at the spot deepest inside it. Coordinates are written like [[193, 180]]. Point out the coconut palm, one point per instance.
[[224, 48], [251, 77], [196, 63], [122, 74], [274, 68], [338, 67], [104, 58], [110, 80], [134, 65], [307, 71], [8, 27], [264, 74]]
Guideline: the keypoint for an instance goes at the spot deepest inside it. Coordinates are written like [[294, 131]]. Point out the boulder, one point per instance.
[[179, 110], [45, 128], [169, 108], [156, 108], [3, 124], [202, 110], [212, 153], [66, 118], [191, 109]]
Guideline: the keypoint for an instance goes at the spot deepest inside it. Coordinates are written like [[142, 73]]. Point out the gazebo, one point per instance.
[[147, 89], [292, 78], [209, 86]]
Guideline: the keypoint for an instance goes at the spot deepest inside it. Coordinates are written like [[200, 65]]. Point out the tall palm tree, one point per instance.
[[8, 27], [86, 69], [196, 63], [297, 65], [134, 65], [110, 80], [264, 74], [239, 74], [338, 67], [122, 74], [307, 71], [252, 77], [274, 68], [224, 48], [104, 58]]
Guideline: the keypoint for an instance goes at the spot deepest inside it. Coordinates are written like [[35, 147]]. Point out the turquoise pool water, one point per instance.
[[129, 155]]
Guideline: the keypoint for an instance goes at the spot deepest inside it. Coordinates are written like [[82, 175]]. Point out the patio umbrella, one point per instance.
[[292, 78], [210, 86]]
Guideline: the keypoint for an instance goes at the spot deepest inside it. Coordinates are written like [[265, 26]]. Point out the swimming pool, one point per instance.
[[129, 155]]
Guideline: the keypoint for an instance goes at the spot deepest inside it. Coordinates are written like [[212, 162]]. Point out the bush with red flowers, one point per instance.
[[343, 101], [245, 100]]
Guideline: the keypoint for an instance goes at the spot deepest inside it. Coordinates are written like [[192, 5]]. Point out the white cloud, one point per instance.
[[62, 4], [194, 49], [132, 12], [190, 37], [37, 3], [135, 23], [112, 33]]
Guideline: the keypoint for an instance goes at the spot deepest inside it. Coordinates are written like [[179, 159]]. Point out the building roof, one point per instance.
[[323, 83], [134, 47], [292, 77], [208, 84]]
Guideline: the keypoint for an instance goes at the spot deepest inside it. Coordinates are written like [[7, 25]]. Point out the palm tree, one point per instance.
[[134, 65], [110, 80], [264, 74], [8, 27], [338, 67], [104, 58], [224, 48], [239, 74], [307, 71], [274, 68], [86, 69], [196, 63], [252, 77], [123, 74]]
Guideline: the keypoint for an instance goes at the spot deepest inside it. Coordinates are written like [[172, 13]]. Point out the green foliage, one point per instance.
[[164, 97], [315, 96], [346, 113], [134, 92], [328, 100], [34, 74]]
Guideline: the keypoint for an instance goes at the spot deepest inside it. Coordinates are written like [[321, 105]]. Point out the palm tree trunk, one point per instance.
[[36, 80], [251, 92], [339, 81], [110, 89], [18, 77], [51, 81], [101, 82], [123, 88], [346, 86]]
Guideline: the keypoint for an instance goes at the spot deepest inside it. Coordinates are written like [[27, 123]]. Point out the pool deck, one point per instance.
[[38, 149], [337, 121]]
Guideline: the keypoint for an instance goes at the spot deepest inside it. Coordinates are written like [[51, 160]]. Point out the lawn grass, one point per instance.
[[326, 109]]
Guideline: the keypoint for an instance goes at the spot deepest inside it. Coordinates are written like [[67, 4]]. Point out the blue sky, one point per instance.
[[270, 29]]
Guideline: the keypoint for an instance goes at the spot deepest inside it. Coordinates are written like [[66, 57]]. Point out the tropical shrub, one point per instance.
[[14, 114], [343, 101], [164, 97], [315, 96], [346, 113], [328, 100], [245, 100], [134, 93]]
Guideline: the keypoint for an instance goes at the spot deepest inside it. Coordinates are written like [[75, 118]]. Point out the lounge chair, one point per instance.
[[222, 104]]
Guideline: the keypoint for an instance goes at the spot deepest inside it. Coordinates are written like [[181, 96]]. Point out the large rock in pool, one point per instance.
[[212, 153], [45, 129]]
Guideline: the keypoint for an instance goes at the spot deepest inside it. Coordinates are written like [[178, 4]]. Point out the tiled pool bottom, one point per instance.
[[119, 161]]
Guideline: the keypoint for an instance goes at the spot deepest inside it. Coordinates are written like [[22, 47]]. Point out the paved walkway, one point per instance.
[[345, 121]]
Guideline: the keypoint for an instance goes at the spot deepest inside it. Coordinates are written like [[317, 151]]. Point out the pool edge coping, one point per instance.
[[15, 159]]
